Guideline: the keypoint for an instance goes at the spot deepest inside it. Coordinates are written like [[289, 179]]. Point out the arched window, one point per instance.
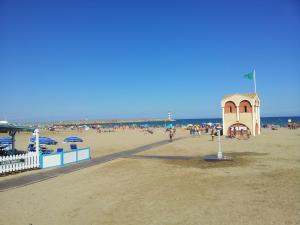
[[237, 129], [245, 107], [230, 107]]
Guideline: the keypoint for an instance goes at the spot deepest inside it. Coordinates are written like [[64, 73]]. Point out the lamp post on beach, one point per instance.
[[220, 154], [220, 157], [37, 145]]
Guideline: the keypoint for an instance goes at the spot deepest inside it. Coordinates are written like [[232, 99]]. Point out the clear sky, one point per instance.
[[137, 59]]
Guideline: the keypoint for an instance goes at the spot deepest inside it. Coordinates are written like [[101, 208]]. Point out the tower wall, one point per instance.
[[241, 109]]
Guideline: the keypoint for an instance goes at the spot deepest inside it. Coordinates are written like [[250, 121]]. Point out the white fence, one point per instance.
[[31, 160], [18, 162], [64, 158]]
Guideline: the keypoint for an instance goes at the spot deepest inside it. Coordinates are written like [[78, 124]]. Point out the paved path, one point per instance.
[[50, 173]]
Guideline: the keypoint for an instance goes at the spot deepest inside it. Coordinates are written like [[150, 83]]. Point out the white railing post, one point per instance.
[[10, 165], [6, 166], [37, 146], [13, 165], [23, 157], [29, 160], [1, 166]]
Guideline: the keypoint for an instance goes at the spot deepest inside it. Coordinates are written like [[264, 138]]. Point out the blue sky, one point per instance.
[[138, 59]]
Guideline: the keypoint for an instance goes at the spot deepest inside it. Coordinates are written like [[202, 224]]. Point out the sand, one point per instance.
[[100, 143], [170, 184]]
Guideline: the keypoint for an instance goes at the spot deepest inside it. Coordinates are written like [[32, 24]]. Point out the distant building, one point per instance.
[[241, 112]]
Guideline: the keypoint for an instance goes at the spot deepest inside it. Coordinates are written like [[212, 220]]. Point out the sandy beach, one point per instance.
[[170, 184], [150, 112]]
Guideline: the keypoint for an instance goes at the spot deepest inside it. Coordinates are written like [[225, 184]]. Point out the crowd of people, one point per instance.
[[194, 130], [293, 125], [201, 129], [211, 129]]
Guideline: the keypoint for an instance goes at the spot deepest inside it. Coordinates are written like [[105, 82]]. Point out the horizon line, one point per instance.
[[141, 119]]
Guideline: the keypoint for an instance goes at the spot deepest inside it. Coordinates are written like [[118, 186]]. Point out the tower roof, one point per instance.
[[249, 95]]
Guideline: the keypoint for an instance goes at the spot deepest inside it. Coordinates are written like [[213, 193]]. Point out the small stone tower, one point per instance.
[[241, 112]]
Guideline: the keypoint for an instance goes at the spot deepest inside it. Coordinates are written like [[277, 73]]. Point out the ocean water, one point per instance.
[[281, 121]]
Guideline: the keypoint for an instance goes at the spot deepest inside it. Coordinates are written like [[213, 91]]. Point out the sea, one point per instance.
[[279, 121]]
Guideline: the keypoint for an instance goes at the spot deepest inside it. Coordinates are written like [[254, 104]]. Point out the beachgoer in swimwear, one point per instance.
[[171, 134], [212, 134], [248, 133]]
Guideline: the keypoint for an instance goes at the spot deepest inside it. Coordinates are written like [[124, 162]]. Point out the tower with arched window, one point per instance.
[[241, 112]]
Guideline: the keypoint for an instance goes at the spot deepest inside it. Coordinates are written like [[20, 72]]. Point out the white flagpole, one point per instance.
[[254, 78]]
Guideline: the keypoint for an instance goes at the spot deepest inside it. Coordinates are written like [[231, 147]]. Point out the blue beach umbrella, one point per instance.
[[5, 140], [44, 140], [73, 139]]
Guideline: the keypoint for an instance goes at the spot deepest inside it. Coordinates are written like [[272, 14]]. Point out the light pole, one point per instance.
[[220, 154], [37, 146]]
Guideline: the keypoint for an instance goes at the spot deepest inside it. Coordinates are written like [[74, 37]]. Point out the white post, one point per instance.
[[37, 146], [220, 155], [254, 79]]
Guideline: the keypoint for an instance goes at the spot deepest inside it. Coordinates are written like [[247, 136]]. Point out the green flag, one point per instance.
[[249, 76]]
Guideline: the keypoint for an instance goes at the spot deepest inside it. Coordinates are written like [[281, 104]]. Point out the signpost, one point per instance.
[[11, 162]]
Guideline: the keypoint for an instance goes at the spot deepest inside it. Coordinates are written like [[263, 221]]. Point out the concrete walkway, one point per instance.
[[50, 173]]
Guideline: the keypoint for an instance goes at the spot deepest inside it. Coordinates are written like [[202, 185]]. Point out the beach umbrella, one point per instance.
[[73, 139], [44, 140], [5, 140]]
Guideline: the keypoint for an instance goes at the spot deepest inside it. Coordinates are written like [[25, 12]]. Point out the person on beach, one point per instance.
[[213, 134], [248, 133], [234, 131], [193, 130], [171, 134], [242, 133], [231, 132], [199, 130]]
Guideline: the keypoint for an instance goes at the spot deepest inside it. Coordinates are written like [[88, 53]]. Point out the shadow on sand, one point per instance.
[[239, 159]]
